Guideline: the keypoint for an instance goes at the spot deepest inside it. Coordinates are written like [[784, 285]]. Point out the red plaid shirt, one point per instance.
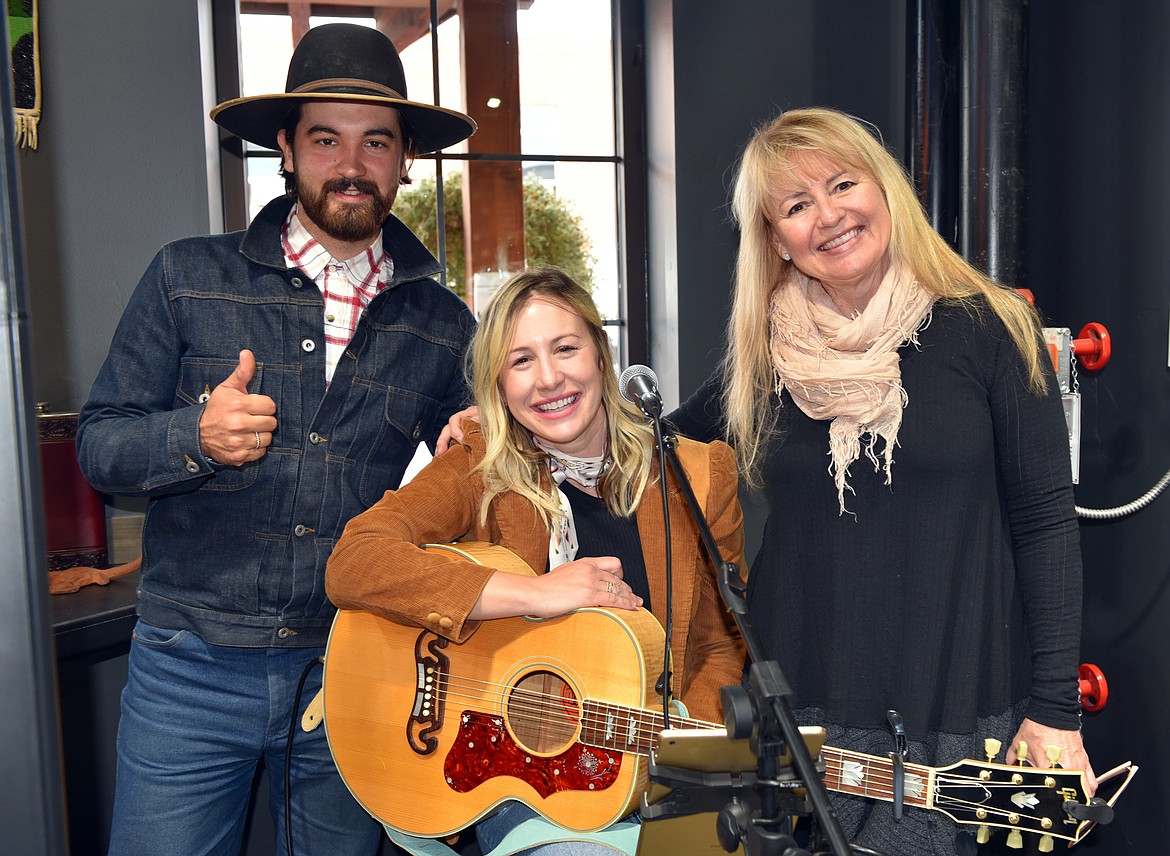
[[347, 286]]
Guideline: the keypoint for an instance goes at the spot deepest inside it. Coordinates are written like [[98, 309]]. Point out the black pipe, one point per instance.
[[932, 114], [993, 66]]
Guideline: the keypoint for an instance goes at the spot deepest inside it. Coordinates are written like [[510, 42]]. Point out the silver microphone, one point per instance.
[[639, 385]]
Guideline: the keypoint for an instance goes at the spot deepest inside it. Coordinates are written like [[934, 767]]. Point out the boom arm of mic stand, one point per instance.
[[773, 686]]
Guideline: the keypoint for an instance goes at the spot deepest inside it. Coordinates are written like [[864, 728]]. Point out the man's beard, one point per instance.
[[352, 221]]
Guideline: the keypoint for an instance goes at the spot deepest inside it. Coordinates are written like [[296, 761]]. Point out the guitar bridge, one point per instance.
[[426, 715]]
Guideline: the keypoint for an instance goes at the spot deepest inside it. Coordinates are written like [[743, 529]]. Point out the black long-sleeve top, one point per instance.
[[955, 591]]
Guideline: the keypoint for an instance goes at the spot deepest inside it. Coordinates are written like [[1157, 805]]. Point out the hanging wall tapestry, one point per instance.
[[24, 46]]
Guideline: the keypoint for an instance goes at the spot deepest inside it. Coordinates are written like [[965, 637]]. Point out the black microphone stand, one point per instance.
[[775, 724]]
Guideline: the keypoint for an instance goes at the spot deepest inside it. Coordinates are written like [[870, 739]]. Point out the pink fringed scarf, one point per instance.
[[847, 369]]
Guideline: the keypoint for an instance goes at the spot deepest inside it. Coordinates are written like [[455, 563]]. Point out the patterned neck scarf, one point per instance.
[[847, 369], [587, 472]]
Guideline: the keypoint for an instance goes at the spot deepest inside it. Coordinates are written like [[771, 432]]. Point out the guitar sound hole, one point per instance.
[[543, 713]]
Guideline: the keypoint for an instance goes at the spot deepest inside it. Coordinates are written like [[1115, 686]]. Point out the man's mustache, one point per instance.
[[340, 185]]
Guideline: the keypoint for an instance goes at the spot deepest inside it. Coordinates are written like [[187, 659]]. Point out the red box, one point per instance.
[[75, 517]]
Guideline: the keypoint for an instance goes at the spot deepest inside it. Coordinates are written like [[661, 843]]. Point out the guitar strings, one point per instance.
[[520, 698], [528, 706], [527, 701], [996, 812], [877, 779], [880, 770], [837, 757], [646, 734], [880, 786]]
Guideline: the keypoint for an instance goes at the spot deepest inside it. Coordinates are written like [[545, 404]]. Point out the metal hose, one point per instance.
[[1130, 507]]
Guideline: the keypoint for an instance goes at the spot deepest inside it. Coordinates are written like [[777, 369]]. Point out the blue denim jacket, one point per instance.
[[237, 554]]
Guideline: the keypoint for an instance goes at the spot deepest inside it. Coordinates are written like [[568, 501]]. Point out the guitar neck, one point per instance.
[[636, 730]]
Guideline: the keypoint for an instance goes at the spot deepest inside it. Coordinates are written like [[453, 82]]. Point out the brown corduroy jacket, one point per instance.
[[378, 567]]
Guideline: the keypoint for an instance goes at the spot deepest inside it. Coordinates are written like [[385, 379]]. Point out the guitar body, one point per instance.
[[430, 735]]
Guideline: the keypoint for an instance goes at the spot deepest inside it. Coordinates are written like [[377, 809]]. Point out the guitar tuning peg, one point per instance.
[[1053, 753], [992, 746], [983, 833], [1022, 752], [1045, 844], [1014, 840]]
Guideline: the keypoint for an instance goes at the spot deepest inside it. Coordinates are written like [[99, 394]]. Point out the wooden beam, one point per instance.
[[493, 192], [299, 13], [404, 27], [365, 9]]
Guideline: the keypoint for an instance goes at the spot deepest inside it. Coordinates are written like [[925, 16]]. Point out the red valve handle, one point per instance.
[[1093, 347], [1094, 688]]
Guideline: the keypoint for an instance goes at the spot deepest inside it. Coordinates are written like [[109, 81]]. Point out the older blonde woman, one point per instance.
[[562, 472], [921, 552]]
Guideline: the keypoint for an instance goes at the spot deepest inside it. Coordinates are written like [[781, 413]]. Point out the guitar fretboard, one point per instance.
[[627, 729], [873, 776]]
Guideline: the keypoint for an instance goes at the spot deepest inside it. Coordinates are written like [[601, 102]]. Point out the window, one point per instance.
[[549, 158]]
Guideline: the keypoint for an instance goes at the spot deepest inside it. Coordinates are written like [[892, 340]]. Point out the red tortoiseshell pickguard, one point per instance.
[[484, 749]]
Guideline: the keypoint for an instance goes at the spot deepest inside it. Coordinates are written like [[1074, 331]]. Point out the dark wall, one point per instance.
[[118, 172], [1099, 131], [735, 67]]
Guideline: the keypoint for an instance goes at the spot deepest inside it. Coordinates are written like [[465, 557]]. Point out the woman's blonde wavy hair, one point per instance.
[[512, 462], [769, 158]]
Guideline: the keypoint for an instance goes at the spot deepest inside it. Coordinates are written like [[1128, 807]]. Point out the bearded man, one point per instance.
[[262, 388]]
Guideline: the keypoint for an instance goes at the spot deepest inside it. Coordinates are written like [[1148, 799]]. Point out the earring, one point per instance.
[[786, 257]]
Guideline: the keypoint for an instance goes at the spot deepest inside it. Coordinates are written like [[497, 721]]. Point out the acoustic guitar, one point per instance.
[[430, 735]]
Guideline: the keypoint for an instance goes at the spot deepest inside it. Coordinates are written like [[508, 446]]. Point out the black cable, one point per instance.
[[292, 730]]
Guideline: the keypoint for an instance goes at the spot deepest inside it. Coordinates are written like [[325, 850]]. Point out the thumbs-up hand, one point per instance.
[[236, 427]]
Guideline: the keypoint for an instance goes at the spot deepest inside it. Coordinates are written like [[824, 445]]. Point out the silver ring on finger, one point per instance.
[[257, 433], [609, 587]]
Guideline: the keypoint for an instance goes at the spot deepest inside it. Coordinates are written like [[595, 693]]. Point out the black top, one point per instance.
[[600, 533], [951, 593]]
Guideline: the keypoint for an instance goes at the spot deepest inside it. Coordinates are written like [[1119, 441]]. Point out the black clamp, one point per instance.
[[898, 756], [1097, 810]]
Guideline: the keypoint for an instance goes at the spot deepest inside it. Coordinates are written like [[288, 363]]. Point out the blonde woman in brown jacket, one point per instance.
[[562, 472]]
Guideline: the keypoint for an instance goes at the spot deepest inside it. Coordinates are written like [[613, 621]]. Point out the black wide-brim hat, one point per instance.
[[343, 62]]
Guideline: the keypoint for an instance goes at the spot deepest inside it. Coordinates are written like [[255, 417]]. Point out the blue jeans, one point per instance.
[[490, 831], [196, 721]]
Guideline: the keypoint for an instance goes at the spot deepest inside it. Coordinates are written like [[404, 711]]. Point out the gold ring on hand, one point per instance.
[[257, 433], [609, 587]]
